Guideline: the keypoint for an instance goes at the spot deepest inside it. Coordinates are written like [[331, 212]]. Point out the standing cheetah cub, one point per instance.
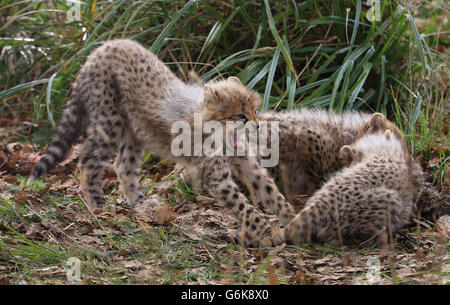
[[131, 100], [370, 199]]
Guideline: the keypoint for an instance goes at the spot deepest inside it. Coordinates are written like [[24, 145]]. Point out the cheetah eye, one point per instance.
[[241, 116]]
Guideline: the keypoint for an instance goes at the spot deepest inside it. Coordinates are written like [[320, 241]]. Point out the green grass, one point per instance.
[[161, 247]]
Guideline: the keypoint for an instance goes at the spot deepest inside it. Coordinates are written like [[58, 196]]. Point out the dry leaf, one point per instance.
[[323, 260], [164, 214], [89, 227], [443, 225], [273, 278], [13, 160], [148, 276], [299, 278], [10, 179], [73, 155], [277, 249], [434, 162], [259, 253], [420, 254], [3, 185], [25, 196], [346, 261], [45, 190], [133, 264]]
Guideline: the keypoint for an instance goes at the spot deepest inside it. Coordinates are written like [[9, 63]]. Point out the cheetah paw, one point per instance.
[[275, 238], [152, 202], [98, 209]]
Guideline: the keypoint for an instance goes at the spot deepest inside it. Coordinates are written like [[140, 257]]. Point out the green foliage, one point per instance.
[[308, 53]]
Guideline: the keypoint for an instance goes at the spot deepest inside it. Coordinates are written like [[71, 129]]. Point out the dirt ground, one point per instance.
[[180, 241]]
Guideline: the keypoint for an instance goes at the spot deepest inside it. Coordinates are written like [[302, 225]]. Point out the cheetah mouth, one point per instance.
[[236, 141], [233, 140], [238, 138]]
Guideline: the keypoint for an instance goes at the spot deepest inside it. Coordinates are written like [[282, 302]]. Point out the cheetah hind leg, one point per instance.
[[93, 162], [382, 215], [300, 229], [127, 166]]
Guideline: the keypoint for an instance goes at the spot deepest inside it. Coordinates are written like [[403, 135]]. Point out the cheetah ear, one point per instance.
[[234, 79], [257, 101], [377, 122], [347, 154], [210, 94], [388, 133], [195, 78]]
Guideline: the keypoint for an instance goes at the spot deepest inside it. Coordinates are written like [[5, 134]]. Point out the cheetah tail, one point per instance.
[[67, 132]]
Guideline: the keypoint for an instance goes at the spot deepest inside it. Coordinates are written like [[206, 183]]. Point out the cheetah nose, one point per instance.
[[255, 125]]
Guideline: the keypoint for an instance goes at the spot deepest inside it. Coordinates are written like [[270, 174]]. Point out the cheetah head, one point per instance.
[[383, 141], [379, 123], [229, 101]]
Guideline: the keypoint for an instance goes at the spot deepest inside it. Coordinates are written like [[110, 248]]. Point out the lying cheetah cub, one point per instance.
[[310, 142], [370, 199], [131, 100]]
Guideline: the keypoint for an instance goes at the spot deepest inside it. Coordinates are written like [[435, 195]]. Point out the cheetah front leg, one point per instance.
[[262, 188], [218, 180]]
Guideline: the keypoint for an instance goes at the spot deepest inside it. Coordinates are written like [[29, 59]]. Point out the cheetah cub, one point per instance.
[[131, 100], [368, 200], [311, 140]]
